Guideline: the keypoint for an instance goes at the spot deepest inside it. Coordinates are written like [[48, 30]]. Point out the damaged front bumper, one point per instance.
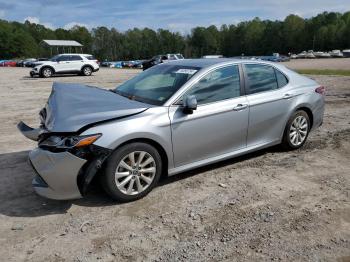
[[62, 173], [57, 174]]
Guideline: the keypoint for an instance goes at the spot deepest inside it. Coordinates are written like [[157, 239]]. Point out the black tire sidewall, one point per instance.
[[286, 138], [108, 179]]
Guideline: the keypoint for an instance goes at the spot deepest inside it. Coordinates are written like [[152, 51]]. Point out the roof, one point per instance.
[[207, 62], [62, 43]]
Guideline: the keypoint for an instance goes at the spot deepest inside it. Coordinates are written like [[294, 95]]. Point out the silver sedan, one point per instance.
[[169, 119]]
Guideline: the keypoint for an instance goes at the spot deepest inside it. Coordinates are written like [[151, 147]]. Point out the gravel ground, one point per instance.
[[269, 205]]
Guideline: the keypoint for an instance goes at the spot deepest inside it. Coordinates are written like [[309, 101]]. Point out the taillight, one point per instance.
[[321, 90]]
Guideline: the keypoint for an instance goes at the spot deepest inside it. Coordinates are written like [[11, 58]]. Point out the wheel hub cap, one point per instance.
[[135, 172], [298, 130]]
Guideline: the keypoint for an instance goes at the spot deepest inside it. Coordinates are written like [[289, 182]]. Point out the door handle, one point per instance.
[[287, 96], [240, 107]]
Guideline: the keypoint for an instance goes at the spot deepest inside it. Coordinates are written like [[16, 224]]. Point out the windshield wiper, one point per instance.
[[122, 94]]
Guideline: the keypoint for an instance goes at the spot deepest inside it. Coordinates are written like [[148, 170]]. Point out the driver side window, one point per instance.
[[220, 84], [63, 58]]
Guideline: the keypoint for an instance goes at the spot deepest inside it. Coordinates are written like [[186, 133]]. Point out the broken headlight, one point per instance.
[[68, 142]]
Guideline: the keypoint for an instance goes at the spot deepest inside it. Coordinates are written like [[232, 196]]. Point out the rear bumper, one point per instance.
[[96, 69], [57, 174]]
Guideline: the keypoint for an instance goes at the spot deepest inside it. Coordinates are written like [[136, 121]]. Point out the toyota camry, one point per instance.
[[168, 119]]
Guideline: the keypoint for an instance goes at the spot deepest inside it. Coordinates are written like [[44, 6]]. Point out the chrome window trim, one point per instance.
[[264, 64], [198, 77]]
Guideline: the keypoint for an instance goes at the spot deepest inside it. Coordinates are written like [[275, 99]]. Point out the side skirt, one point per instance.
[[204, 162]]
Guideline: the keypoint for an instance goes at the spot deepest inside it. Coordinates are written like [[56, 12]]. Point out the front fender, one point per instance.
[[153, 124]]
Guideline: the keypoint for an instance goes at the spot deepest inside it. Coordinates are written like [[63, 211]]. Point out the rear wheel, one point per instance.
[[87, 71], [46, 72], [297, 130], [132, 172]]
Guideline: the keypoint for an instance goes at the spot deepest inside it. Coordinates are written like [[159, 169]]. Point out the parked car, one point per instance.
[[169, 119], [83, 64], [336, 53], [7, 63], [158, 59], [118, 64], [28, 62], [346, 53], [106, 64], [37, 62]]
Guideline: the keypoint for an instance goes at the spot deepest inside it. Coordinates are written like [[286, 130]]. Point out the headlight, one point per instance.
[[70, 141]]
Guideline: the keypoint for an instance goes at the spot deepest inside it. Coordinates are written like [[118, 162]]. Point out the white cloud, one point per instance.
[[2, 13], [36, 20], [72, 24], [32, 19]]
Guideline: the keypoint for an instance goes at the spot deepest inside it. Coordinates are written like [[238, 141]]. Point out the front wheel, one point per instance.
[[46, 72], [132, 171], [297, 130]]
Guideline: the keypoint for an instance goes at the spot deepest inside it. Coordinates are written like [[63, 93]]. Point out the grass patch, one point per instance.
[[333, 72]]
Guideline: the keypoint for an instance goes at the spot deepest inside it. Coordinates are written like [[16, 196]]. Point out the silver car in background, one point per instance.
[[169, 119]]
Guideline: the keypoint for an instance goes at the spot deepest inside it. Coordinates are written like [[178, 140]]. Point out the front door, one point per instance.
[[63, 64], [218, 126]]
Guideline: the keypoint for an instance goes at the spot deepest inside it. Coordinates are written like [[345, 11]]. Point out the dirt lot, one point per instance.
[[270, 205]]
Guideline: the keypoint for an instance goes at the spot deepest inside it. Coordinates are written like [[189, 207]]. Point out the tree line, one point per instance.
[[326, 31]]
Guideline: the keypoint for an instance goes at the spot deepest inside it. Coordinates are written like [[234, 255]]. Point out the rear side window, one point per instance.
[[75, 58], [90, 57], [220, 84], [261, 78], [281, 79]]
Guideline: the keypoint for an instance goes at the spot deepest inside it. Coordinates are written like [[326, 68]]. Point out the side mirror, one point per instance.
[[189, 104]]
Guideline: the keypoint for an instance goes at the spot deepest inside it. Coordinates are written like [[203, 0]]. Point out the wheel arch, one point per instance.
[[308, 112], [81, 69], [47, 66]]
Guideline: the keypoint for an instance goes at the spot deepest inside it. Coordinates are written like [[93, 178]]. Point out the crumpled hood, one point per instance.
[[71, 107]]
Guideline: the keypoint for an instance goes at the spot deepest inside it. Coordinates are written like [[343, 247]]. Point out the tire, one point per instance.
[[46, 72], [132, 182], [296, 131], [86, 71]]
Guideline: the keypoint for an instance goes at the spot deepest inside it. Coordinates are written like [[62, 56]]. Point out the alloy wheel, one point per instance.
[[87, 71], [135, 172], [298, 130], [47, 72]]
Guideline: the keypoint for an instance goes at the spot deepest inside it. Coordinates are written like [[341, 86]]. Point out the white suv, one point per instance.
[[83, 64]]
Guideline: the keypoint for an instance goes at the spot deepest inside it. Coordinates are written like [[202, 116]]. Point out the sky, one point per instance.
[[175, 15]]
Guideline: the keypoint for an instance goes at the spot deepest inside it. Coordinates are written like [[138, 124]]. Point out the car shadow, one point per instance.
[[18, 198]]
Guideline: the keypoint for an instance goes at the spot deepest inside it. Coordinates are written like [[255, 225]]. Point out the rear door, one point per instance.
[[76, 63], [270, 105], [218, 126]]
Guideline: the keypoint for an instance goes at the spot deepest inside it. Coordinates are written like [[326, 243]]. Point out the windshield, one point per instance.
[[54, 59], [157, 84]]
